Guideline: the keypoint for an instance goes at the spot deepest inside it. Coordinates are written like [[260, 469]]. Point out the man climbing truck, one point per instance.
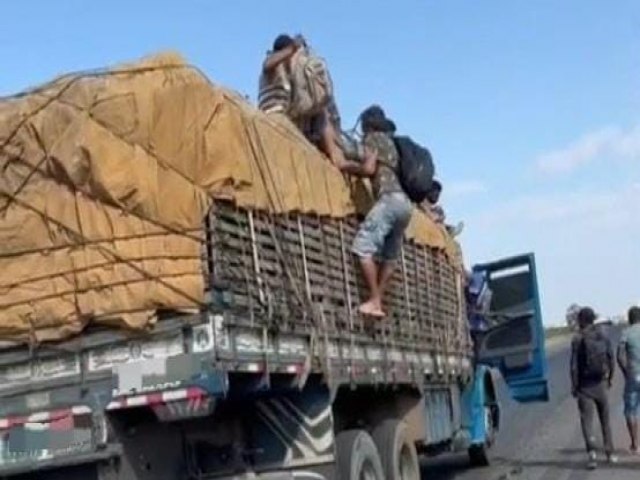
[[179, 300]]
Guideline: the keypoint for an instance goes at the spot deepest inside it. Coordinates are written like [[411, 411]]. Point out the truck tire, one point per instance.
[[357, 457], [397, 452], [479, 456]]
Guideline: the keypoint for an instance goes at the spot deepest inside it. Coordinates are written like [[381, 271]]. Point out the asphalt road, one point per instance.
[[543, 441]]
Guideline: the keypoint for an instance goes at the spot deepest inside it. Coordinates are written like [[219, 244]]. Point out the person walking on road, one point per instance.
[[629, 361], [592, 370]]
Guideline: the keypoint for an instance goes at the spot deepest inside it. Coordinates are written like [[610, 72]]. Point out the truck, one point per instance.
[[264, 369], [277, 378]]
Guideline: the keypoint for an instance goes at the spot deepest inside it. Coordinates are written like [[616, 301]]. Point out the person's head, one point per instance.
[[634, 315], [373, 119], [301, 41], [586, 317], [433, 195], [282, 41]]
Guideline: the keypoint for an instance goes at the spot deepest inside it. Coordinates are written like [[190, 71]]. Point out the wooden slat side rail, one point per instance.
[[274, 267]]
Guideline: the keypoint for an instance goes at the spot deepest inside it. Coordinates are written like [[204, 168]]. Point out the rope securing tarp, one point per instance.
[[106, 177]]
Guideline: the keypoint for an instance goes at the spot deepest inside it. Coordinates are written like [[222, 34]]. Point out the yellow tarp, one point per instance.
[[106, 178]]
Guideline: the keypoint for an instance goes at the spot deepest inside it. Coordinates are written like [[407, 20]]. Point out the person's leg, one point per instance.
[[631, 412], [368, 242], [586, 406], [476, 338], [373, 306], [399, 210], [330, 142], [602, 405], [323, 132], [632, 426], [386, 274]]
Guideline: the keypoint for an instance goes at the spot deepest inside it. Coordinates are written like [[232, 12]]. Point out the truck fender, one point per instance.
[[480, 402]]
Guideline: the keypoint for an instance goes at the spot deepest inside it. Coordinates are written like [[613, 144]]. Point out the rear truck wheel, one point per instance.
[[397, 452], [479, 454], [358, 457]]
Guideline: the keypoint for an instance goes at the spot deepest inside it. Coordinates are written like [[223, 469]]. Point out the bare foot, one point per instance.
[[371, 309]]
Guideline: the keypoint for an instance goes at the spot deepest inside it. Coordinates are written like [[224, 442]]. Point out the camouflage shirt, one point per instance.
[[385, 180]]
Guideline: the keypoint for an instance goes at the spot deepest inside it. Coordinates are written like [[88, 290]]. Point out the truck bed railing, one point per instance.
[[283, 271]]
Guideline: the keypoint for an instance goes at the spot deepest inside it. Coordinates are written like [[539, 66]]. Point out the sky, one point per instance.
[[529, 107]]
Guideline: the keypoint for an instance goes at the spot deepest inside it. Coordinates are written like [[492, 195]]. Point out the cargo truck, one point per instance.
[[278, 377], [178, 299]]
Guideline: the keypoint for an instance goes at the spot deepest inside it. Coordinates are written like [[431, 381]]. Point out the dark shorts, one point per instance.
[[314, 126]]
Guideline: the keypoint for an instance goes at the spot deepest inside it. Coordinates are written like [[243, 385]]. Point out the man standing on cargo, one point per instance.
[[274, 94], [629, 361], [592, 369], [380, 236], [282, 83]]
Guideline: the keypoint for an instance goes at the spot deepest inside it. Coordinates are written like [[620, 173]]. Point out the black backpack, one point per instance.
[[594, 349], [415, 168]]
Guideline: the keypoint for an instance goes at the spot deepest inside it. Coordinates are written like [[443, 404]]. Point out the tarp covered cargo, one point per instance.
[[106, 177]]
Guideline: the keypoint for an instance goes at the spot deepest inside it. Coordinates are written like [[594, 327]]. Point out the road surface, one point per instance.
[[543, 441]]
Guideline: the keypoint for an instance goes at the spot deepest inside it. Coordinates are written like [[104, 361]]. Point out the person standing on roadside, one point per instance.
[[592, 370], [629, 361]]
